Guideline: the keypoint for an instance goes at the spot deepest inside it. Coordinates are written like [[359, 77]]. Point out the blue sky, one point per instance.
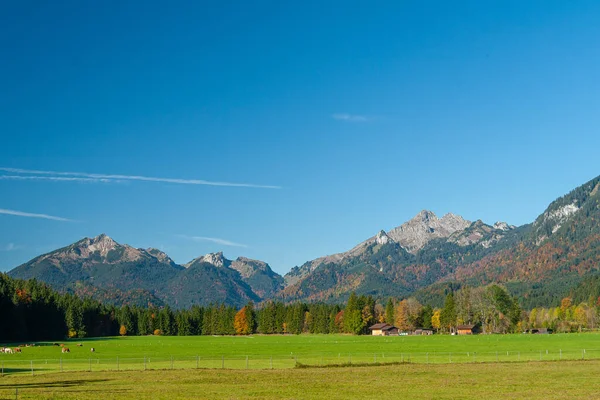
[[360, 115]]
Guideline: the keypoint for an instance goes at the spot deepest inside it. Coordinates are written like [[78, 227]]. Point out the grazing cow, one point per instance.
[[17, 350], [7, 350], [79, 345], [65, 350], [55, 344], [92, 350]]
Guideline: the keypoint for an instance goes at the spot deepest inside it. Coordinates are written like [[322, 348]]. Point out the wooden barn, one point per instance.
[[465, 329], [383, 329]]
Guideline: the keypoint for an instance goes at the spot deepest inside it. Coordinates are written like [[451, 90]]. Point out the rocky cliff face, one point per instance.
[[258, 275], [424, 227], [216, 259]]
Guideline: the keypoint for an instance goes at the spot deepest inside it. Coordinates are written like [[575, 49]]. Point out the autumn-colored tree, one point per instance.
[[401, 316], [240, 322], [157, 332], [123, 330], [565, 303], [435, 319]]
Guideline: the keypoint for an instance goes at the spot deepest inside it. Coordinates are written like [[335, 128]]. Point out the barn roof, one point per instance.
[[382, 326]]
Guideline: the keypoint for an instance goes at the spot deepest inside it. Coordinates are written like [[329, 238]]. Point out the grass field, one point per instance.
[[280, 352], [549, 380]]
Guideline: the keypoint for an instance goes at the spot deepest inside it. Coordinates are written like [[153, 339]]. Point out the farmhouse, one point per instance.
[[383, 329], [465, 329]]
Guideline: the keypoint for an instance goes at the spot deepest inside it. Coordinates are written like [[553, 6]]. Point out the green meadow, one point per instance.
[[289, 351], [526, 380]]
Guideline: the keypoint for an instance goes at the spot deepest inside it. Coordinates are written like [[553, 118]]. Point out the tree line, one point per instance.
[[30, 310]]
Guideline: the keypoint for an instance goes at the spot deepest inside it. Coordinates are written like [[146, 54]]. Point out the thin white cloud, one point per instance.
[[10, 247], [350, 117], [33, 215], [222, 242], [54, 178], [114, 177]]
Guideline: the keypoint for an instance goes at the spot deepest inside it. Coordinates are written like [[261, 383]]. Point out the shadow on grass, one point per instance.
[[348, 364], [52, 384]]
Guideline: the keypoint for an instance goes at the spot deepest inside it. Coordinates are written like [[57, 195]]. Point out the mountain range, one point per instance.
[[426, 257]]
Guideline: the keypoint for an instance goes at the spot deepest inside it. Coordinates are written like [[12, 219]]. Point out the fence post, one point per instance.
[[171, 362], [197, 360], [31, 367], [144, 363]]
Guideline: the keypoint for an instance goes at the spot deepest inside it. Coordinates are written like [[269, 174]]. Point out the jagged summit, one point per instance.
[[216, 259], [382, 238], [503, 226], [424, 227]]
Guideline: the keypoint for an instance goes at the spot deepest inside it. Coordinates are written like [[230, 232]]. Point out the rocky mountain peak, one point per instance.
[[503, 226], [216, 259], [101, 243], [425, 216], [425, 226], [159, 254], [382, 238]]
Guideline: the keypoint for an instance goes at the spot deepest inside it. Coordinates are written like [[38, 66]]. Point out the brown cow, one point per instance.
[[65, 350]]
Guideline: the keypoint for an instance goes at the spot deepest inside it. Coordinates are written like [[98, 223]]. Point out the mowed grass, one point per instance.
[[550, 380], [283, 351]]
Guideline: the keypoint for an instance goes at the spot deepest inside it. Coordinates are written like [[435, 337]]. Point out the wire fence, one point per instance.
[[41, 366]]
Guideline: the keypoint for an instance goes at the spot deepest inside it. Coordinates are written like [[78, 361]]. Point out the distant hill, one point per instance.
[[555, 256], [121, 274]]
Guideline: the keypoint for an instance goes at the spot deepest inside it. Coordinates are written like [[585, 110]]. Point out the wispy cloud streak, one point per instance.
[[33, 215], [116, 177], [222, 242], [10, 247], [350, 117], [54, 178]]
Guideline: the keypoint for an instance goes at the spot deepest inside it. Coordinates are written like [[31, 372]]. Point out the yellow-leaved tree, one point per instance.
[[240, 322], [435, 319]]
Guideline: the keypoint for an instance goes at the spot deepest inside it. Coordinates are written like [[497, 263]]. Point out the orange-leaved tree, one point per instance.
[[240, 322], [123, 330]]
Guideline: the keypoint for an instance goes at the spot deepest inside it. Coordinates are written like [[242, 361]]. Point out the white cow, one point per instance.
[[7, 350]]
